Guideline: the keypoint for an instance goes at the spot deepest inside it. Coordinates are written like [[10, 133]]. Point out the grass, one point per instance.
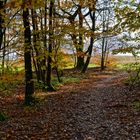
[[92, 65], [71, 66], [9, 82], [128, 66], [65, 80], [3, 117], [15, 76], [136, 105]]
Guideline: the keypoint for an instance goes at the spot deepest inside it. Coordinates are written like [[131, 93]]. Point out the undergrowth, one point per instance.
[[3, 117], [133, 79]]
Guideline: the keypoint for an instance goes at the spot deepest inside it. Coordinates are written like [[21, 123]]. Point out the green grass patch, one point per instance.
[[136, 105], [7, 85], [3, 117], [56, 84], [128, 66], [92, 65], [71, 66], [65, 80]]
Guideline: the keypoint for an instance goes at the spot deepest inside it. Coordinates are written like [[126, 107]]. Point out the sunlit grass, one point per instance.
[[71, 66]]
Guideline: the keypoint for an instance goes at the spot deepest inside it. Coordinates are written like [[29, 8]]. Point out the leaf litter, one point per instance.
[[99, 107]]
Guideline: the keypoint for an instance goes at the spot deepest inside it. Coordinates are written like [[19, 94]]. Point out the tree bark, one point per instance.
[[79, 48], [1, 22], [49, 68], [92, 15], [37, 62], [29, 84], [103, 54]]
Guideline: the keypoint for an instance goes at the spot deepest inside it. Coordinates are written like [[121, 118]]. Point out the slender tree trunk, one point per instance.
[[3, 54], [2, 29], [44, 72], [1, 22], [2, 35], [49, 70], [103, 54], [29, 84], [106, 58], [106, 52], [104, 39], [89, 55], [92, 15], [36, 61]]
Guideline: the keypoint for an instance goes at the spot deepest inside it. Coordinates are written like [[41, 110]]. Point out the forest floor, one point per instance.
[[99, 107]]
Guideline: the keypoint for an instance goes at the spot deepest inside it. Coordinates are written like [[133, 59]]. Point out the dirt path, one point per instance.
[[100, 111]]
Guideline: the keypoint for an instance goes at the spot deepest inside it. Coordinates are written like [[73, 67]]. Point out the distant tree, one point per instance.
[[75, 28], [75, 13], [92, 11], [106, 13]]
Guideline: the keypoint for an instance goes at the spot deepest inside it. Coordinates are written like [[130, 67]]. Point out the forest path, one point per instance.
[[97, 108], [100, 112]]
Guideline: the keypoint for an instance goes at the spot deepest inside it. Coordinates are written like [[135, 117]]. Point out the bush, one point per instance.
[[134, 74]]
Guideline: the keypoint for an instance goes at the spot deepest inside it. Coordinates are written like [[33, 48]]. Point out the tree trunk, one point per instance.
[[49, 68], [1, 22], [3, 54], [103, 54], [29, 84], [80, 62], [37, 63], [92, 15], [79, 48], [104, 39]]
